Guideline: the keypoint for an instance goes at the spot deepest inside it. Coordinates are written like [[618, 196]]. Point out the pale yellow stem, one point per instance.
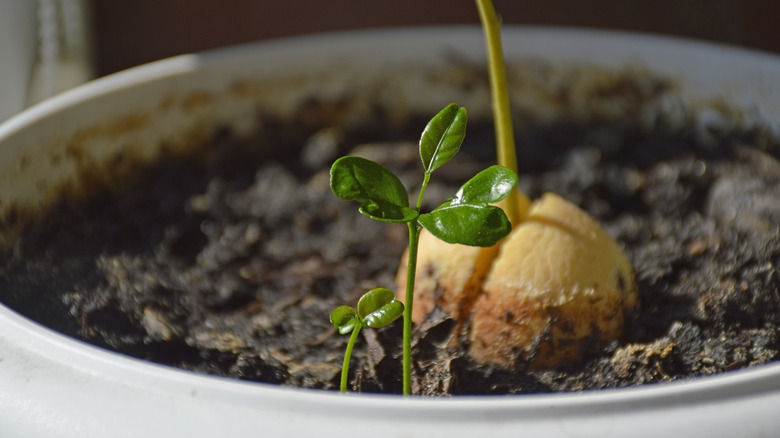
[[517, 204]]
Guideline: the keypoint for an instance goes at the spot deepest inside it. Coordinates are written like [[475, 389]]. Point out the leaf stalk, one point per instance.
[[347, 356]]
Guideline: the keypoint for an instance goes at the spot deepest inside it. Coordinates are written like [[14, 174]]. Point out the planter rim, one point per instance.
[[30, 354]]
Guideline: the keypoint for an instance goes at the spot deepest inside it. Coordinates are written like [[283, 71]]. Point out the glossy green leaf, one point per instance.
[[381, 194], [378, 308], [386, 315], [373, 300], [443, 136], [344, 318], [467, 224], [489, 186]]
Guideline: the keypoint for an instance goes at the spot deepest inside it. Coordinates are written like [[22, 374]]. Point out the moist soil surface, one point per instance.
[[229, 262]]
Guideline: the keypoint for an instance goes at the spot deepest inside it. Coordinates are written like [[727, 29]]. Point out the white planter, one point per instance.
[[54, 386]]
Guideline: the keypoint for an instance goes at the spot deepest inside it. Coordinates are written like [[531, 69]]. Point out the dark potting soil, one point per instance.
[[231, 265]]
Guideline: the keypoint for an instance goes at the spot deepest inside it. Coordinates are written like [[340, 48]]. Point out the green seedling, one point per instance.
[[467, 218], [376, 308]]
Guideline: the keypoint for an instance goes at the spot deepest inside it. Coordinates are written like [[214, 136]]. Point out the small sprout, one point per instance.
[[376, 308], [467, 218]]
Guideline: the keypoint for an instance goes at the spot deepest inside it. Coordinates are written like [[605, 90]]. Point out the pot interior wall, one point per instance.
[[94, 135]]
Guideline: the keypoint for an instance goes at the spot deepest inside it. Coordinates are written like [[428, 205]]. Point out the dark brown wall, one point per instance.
[[131, 32]]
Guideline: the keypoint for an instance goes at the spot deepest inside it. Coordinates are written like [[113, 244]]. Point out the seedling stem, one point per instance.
[[347, 356], [414, 239]]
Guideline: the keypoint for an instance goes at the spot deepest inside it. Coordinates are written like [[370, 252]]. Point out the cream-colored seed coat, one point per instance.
[[558, 283]]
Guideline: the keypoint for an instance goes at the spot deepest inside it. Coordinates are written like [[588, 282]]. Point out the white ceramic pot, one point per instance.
[[54, 386]]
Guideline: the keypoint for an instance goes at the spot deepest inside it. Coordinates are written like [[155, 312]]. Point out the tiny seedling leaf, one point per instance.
[[378, 308], [489, 186], [386, 315], [344, 318], [381, 194], [443, 136], [373, 300], [467, 224]]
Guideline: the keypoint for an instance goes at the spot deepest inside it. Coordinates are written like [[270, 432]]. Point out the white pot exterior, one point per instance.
[[54, 386]]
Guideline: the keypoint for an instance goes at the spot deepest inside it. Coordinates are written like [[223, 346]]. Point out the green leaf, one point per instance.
[[386, 315], [443, 136], [467, 224], [373, 300], [489, 186], [381, 194], [378, 307], [344, 318]]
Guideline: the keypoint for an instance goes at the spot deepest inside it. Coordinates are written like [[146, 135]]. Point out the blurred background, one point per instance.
[[74, 40], [130, 32]]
